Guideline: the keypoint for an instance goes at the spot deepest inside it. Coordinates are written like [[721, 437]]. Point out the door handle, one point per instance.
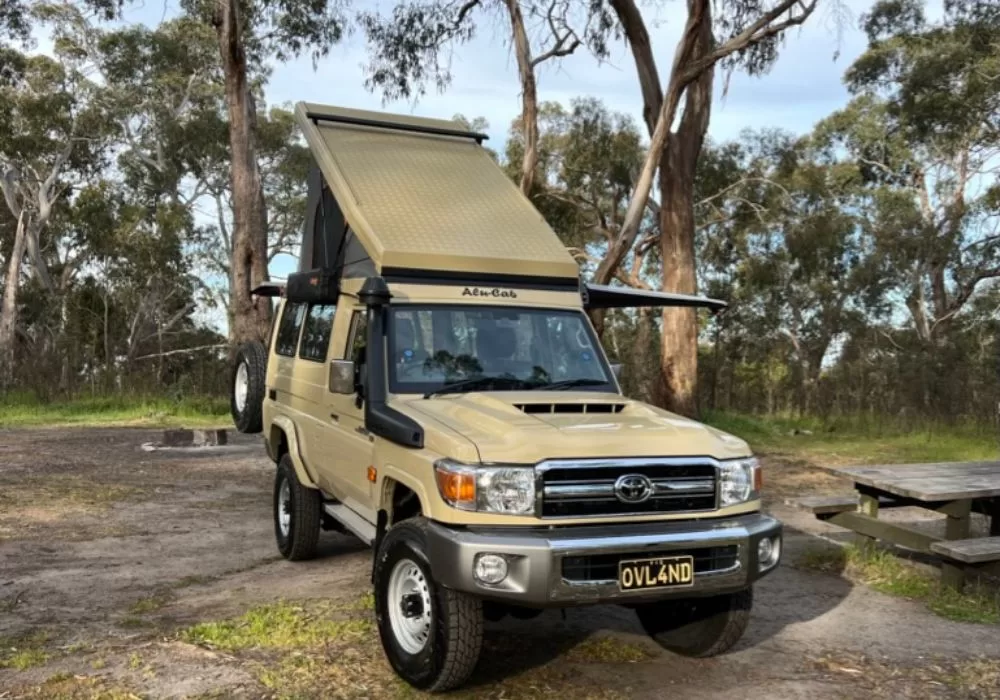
[[335, 417]]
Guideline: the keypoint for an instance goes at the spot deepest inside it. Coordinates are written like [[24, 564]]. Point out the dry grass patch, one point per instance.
[[64, 686], [150, 604], [608, 650], [977, 679], [888, 573], [326, 650]]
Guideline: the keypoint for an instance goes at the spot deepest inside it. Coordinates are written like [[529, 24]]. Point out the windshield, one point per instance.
[[431, 347]]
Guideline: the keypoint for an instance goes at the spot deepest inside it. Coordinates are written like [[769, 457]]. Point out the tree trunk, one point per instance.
[[529, 97], [8, 307], [251, 321], [677, 388]]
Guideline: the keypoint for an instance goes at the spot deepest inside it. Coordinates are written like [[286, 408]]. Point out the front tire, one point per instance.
[[296, 513], [246, 385], [698, 627], [431, 635]]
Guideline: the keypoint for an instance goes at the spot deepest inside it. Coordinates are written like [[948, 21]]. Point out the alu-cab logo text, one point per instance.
[[494, 292]]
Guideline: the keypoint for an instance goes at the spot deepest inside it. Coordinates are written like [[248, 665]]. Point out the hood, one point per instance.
[[527, 427]]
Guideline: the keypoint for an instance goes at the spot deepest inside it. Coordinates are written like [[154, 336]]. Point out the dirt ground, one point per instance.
[[112, 559]]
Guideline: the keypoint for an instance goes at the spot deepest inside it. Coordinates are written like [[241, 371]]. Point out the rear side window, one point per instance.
[[316, 336], [288, 331]]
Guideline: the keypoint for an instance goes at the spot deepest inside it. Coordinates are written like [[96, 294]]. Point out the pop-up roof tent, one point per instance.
[[415, 199]]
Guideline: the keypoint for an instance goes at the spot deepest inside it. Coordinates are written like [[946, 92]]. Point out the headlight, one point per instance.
[[739, 481], [506, 490]]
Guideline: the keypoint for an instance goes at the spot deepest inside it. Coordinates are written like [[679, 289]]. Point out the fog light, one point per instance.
[[768, 551], [490, 568]]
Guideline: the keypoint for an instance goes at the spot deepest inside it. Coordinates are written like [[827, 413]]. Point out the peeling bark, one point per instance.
[[8, 305], [251, 320]]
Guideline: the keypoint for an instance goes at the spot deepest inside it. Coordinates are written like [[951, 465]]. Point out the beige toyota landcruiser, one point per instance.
[[433, 385]]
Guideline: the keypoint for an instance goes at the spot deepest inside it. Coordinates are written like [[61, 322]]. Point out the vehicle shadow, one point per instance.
[[791, 595]]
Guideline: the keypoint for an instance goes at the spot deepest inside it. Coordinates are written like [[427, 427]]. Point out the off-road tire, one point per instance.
[[698, 627], [303, 529], [251, 418], [456, 639]]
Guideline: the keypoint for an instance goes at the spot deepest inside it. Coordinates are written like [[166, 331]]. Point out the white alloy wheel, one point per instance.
[[284, 508], [241, 386], [409, 604]]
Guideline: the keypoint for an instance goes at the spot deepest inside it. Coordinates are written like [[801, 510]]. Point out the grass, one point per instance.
[[887, 573], [860, 439], [20, 410], [277, 626], [149, 604], [63, 686], [24, 652], [315, 649], [974, 679]]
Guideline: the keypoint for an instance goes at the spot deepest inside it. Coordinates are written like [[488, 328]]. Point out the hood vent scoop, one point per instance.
[[570, 407]]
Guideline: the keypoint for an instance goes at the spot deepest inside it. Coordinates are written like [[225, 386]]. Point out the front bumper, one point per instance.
[[576, 565]]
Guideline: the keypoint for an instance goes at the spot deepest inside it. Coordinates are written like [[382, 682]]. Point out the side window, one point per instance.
[[288, 331], [316, 336], [359, 337]]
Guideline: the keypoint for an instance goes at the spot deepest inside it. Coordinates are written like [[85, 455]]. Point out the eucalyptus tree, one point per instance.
[[53, 136], [409, 49], [250, 34], [924, 134]]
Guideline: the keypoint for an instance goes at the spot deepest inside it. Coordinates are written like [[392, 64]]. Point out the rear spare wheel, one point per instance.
[[246, 399]]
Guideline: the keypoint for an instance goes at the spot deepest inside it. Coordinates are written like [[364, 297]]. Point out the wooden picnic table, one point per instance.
[[954, 489]]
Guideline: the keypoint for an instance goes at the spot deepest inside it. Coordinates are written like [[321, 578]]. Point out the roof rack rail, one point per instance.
[[398, 126]]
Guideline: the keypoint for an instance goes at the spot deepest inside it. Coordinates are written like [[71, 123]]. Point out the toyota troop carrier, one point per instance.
[[433, 385]]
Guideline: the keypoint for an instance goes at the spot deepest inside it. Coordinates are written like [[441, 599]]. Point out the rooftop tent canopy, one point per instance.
[[415, 194]]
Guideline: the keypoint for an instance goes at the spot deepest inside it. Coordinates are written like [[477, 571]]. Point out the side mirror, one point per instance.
[[341, 377], [616, 369]]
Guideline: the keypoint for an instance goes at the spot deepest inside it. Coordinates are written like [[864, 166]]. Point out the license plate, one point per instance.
[[664, 572]]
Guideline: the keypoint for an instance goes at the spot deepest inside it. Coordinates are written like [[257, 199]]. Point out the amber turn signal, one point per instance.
[[457, 487], [758, 479], [372, 474]]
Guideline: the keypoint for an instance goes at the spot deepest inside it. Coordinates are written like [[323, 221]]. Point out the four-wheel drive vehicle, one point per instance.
[[434, 386]]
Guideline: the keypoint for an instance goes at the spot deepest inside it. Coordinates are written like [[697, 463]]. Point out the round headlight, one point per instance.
[[506, 490]]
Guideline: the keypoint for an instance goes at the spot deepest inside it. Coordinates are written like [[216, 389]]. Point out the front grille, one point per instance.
[[604, 567], [580, 489]]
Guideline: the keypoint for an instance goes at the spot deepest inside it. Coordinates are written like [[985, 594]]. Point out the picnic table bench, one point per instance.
[[954, 489]]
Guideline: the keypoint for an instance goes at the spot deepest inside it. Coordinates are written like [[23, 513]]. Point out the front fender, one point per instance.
[[285, 424], [388, 471]]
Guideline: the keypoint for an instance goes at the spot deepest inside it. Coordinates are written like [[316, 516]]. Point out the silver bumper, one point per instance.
[[539, 560]]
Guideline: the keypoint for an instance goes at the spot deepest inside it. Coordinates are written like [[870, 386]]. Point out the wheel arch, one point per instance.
[[282, 438]]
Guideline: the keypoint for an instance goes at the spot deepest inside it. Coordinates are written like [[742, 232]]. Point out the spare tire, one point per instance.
[[246, 387]]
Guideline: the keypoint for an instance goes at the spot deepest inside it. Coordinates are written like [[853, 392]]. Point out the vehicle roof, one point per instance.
[[429, 201]]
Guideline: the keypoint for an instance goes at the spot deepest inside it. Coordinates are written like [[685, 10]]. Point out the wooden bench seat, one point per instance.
[[824, 505], [979, 550]]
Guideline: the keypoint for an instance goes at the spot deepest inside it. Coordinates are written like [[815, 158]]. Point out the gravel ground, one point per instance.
[[108, 552]]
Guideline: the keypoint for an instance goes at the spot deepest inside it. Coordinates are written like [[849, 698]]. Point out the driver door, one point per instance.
[[353, 450]]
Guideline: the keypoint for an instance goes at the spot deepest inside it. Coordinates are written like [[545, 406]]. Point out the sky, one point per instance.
[[804, 85]]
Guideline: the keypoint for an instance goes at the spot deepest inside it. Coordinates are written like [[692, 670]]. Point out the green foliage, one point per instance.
[[24, 409], [277, 626], [861, 438], [886, 572]]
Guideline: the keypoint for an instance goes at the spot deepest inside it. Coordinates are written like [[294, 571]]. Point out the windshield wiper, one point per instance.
[[570, 383], [508, 381]]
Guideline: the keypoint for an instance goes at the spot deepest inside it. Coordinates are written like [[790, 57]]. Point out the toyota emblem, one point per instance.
[[633, 488]]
